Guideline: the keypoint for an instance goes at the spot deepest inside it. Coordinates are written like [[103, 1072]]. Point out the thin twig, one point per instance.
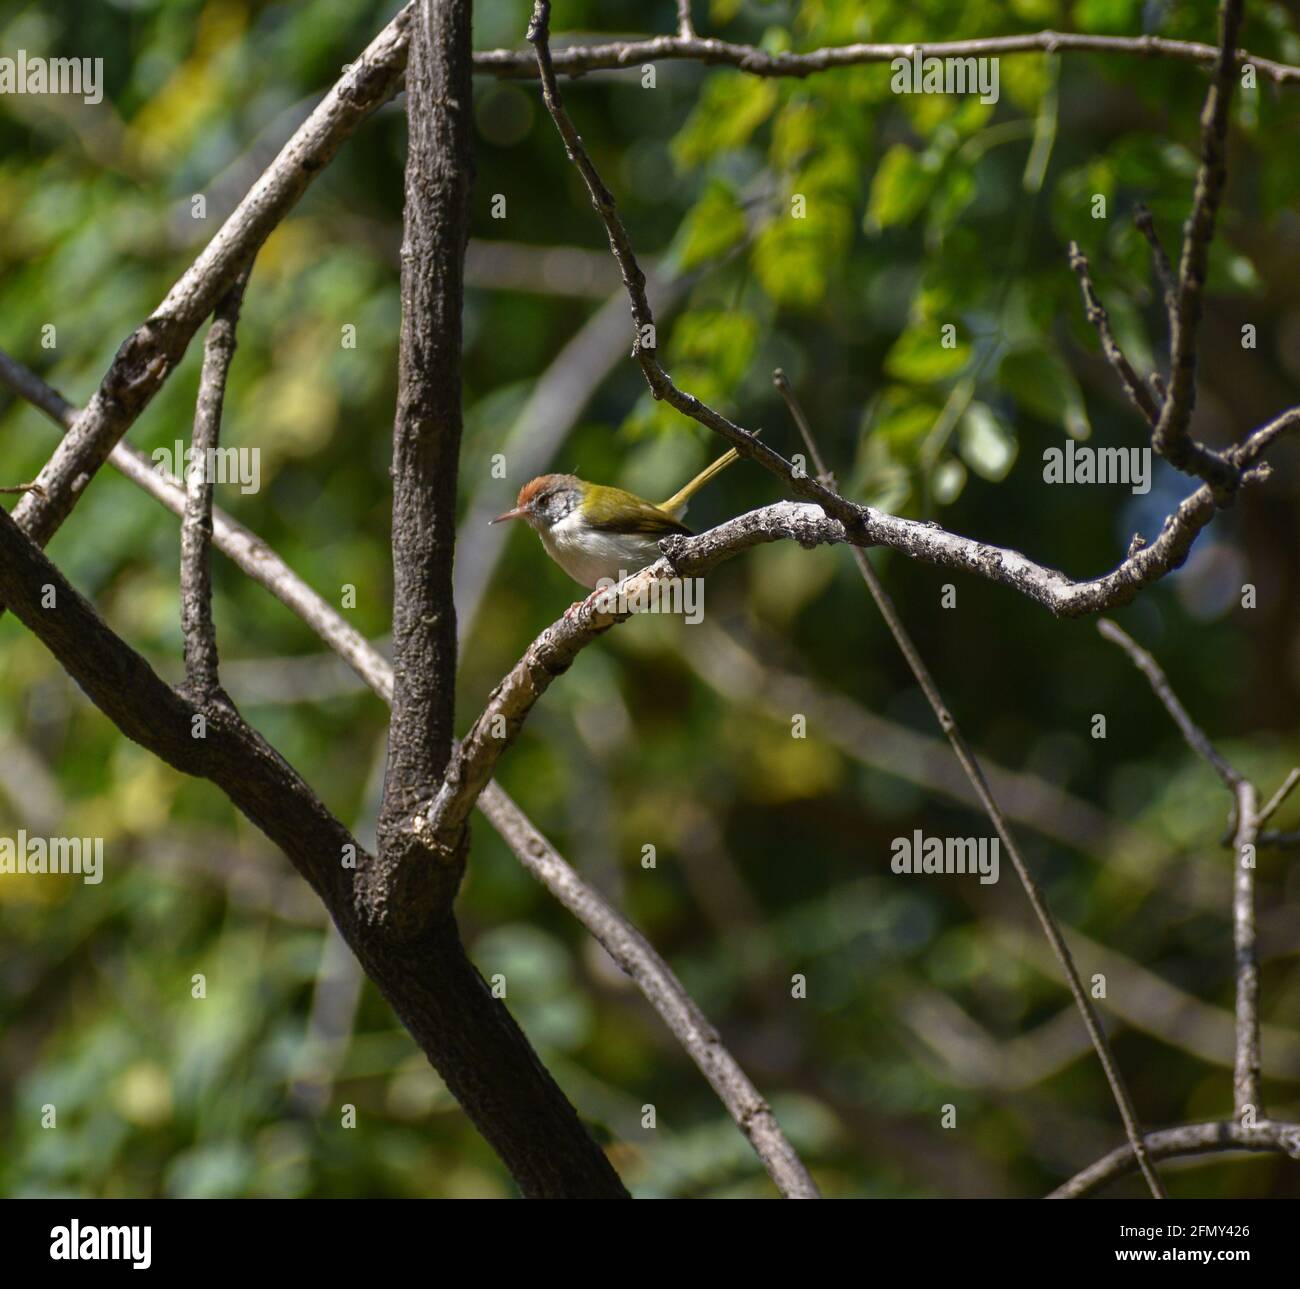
[[201, 673], [578, 59], [1151, 669], [1170, 437], [685, 27], [1164, 270], [645, 341], [1138, 391], [962, 749], [1245, 1079], [1278, 797]]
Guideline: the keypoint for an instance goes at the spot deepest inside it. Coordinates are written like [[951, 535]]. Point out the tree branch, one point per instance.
[[861, 525], [1190, 1139], [1247, 1100], [652, 975], [578, 59], [1164, 691], [1137, 390], [426, 453], [1245, 1079], [1170, 437], [201, 676]]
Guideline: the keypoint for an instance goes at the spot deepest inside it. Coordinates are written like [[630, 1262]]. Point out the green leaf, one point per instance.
[[899, 189], [987, 444], [1106, 17], [713, 226], [947, 480], [729, 110], [919, 355], [1042, 384]]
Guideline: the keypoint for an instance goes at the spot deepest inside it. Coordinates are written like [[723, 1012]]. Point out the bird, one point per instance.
[[599, 534]]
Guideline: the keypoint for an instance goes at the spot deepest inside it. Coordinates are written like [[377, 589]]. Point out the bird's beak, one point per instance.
[[517, 513]]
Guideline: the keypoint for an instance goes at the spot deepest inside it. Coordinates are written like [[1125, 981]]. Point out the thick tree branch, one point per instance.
[[426, 452], [196, 527]]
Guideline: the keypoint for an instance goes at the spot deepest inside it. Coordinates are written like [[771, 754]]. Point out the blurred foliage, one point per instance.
[[827, 226]]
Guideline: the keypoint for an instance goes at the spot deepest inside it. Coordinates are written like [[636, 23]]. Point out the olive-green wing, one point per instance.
[[635, 515]]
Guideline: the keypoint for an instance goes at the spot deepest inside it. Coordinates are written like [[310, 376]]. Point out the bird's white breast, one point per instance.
[[587, 554]]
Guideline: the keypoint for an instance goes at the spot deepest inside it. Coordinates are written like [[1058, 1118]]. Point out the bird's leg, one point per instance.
[[588, 603]]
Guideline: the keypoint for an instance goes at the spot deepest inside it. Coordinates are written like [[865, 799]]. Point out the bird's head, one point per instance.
[[546, 500]]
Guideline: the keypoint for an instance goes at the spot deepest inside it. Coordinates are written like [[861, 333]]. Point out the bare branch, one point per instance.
[[1139, 393], [1245, 1080], [1276, 800], [578, 59], [1190, 1139], [962, 751], [1171, 438], [685, 27], [1245, 1075], [196, 526], [1152, 670], [149, 355], [426, 451], [1164, 270]]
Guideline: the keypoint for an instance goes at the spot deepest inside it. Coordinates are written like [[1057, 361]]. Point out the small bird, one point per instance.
[[594, 532]]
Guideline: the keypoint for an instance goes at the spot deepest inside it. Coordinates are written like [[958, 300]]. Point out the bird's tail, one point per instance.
[[676, 504]]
